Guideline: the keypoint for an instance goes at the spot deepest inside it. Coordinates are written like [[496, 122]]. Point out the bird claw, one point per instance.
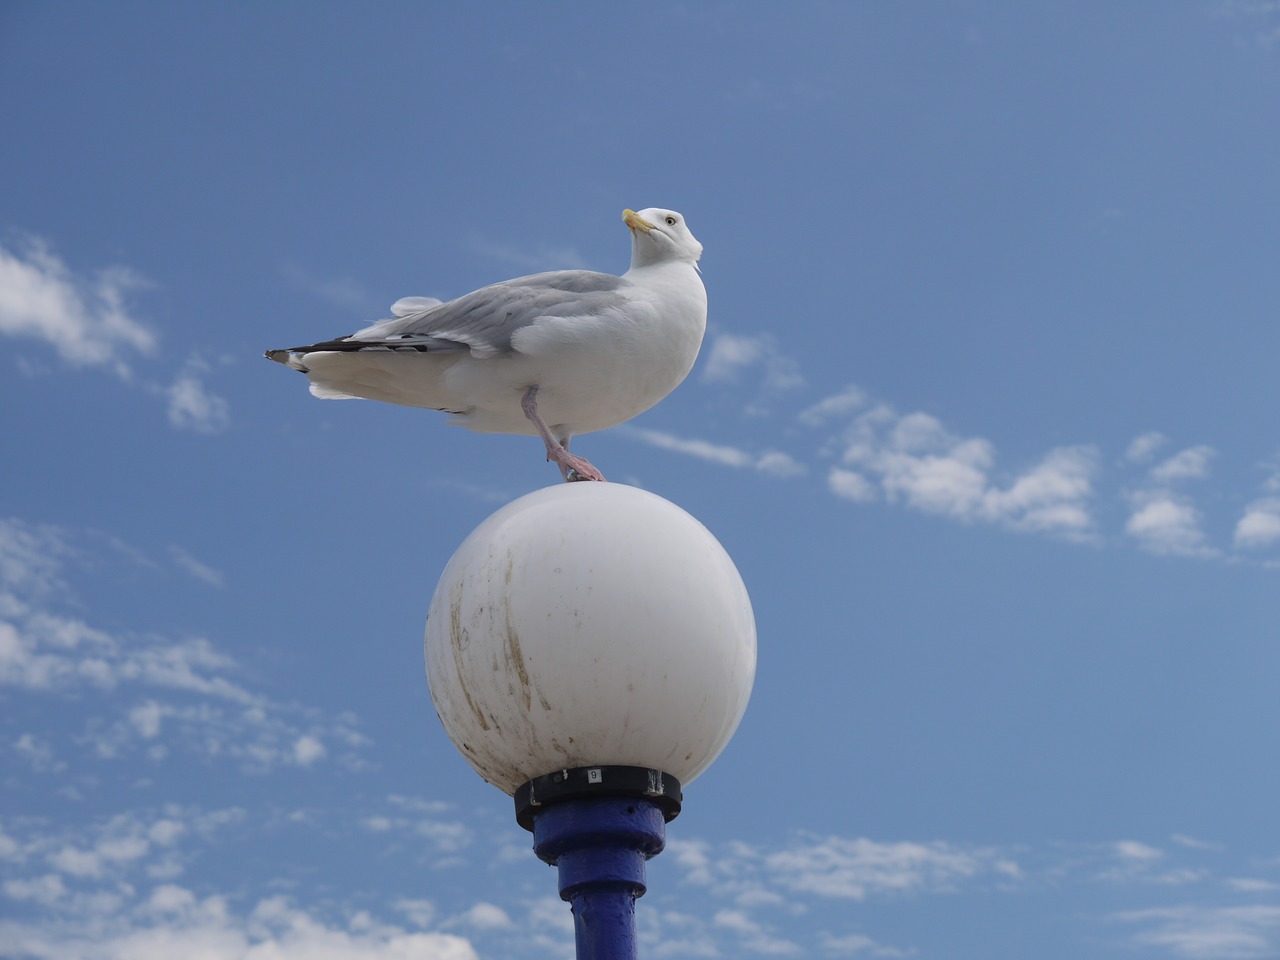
[[576, 469], [572, 468]]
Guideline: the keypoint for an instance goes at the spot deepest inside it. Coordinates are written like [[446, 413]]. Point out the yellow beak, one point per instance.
[[635, 221]]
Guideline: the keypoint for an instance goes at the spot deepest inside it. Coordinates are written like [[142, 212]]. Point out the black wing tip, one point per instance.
[[285, 357]]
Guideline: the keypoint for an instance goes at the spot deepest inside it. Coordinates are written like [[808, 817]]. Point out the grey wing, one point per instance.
[[485, 321]]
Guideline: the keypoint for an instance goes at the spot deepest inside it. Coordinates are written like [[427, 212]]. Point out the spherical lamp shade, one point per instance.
[[590, 623]]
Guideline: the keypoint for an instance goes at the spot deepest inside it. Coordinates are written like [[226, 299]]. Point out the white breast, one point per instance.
[[592, 373]]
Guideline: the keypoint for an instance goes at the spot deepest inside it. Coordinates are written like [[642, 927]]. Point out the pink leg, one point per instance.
[[557, 451]]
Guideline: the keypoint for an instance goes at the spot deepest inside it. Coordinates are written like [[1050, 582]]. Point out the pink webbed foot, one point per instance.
[[572, 467]]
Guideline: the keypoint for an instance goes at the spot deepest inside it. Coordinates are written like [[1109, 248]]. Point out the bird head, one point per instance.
[[658, 235]]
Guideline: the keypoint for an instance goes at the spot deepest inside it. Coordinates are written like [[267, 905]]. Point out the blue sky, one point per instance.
[[986, 416]]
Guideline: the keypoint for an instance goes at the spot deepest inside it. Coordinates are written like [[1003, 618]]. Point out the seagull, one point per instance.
[[554, 354]]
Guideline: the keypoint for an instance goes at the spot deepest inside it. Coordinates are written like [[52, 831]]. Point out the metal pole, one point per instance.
[[600, 845]]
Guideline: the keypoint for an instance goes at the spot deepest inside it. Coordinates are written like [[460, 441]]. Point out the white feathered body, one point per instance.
[[600, 349]]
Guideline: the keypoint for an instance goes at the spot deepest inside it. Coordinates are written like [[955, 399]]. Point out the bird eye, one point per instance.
[[671, 221]]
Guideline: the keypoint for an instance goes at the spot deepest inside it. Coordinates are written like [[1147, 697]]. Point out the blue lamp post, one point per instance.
[[590, 650]]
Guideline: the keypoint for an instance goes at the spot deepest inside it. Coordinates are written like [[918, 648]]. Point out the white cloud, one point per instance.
[[771, 462], [31, 558], [193, 696], [10, 849], [1165, 523], [541, 257], [83, 317], [694, 857], [1134, 850], [752, 877], [778, 464], [307, 750], [175, 922], [339, 291], [730, 356], [1051, 497], [112, 848], [1131, 862], [422, 819], [754, 936], [104, 857], [1272, 483], [857, 868], [191, 406], [551, 924], [1142, 447], [485, 916], [86, 319], [37, 751], [146, 719], [197, 569], [851, 485], [1251, 885], [855, 944], [1194, 843], [421, 913], [839, 405], [1189, 464], [1208, 933], [166, 831], [699, 449], [46, 889], [912, 459], [786, 898], [1266, 22], [1161, 520], [1260, 524]]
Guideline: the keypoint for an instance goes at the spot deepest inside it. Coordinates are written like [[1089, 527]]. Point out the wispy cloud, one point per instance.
[[837, 407], [530, 259], [731, 355], [1189, 464], [31, 560], [1162, 518], [412, 816], [755, 936], [1207, 933], [1263, 15], [731, 358], [1166, 523], [1260, 525], [1143, 447], [1251, 885], [107, 890], [84, 317], [848, 868], [339, 291], [192, 406], [158, 694], [1133, 862], [174, 921], [913, 460], [197, 569], [772, 462], [121, 881], [857, 868], [858, 945]]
